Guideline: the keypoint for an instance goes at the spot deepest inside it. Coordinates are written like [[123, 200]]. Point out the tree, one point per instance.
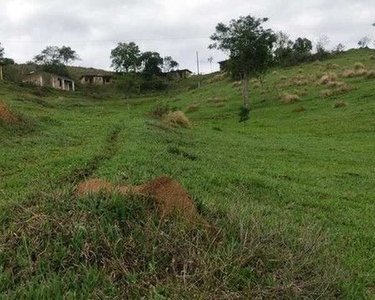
[[126, 57], [152, 63], [322, 44], [339, 48], [169, 64], [303, 46], [68, 55], [249, 46], [283, 49], [128, 84], [1, 51], [53, 59], [364, 42]]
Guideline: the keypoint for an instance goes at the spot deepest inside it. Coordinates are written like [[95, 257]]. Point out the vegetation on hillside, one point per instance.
[[289, 194]]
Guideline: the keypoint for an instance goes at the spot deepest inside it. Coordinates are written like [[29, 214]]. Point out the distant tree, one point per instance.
[[169, 64], [249, 46], [1, 51], [53, 59], [68, 55], [339, 48], [322, 44], [364, 42], [283, 49], [303, 46], [126, 57], [56, 55], [128, 85], [152, 63]]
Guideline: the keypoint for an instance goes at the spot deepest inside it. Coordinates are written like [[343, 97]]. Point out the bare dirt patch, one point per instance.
[[170, 197], [6, 115]]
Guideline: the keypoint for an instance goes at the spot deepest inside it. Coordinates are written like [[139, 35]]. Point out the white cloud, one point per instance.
[[172, 27]]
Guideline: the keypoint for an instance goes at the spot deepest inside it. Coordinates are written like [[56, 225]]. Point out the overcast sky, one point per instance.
[[172, 27]]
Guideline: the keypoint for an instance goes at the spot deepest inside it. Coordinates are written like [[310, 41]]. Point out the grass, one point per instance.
[[281, 171]]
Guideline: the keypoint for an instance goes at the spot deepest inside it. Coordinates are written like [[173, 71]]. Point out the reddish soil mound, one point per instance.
[[170, 197], [5, 114]]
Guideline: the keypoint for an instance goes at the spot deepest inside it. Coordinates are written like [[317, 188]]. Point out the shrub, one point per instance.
[[339, 103], [289, 98], [160, 110], [176, 118]]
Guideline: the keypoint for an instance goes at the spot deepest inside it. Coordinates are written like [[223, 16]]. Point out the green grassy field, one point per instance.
[[308, 172]]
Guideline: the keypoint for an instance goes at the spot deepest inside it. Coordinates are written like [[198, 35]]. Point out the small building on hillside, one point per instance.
[[223, 65], [45, 79], [96, 79], [180, 74]]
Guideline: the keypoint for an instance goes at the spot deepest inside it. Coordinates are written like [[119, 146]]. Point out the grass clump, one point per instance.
[[116, 248], [175, 119], [359, 66], [299, 109], [289, 98], [339, 104]]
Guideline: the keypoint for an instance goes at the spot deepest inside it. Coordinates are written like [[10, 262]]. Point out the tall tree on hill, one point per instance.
[[126, 57], [283, 49], [54, 59], [1, 51], [302, 48], [152, 63], [249, 46], [364, 42], [169, 64]]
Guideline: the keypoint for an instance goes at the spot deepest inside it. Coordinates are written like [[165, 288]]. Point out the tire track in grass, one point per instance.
[[108, 151]]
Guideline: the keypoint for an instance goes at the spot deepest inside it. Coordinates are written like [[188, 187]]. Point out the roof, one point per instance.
[[96, 75], [179, 71], [47, 73]]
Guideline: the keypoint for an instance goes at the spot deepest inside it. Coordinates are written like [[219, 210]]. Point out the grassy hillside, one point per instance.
[[291, 191]]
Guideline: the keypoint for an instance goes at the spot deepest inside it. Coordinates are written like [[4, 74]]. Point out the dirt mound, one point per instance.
[[170, 197], [5, 114]]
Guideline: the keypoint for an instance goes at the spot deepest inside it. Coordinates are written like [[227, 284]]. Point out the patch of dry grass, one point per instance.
[[372, 57], [175, 119], [359, 66], [289, 98], [341, 89], [339, 104], [299, 109], [328, 78], [192, 108]]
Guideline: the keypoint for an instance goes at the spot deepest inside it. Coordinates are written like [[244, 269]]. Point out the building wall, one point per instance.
[[97, 80], [49, 80]]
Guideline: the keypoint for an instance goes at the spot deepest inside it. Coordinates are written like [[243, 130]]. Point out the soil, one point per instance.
[[5, 114], [170, 197]]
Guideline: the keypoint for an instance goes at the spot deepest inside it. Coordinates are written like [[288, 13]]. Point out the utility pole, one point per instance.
[[199, 82], [1, 69]]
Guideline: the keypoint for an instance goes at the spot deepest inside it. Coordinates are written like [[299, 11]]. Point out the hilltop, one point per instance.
[[289, 194]]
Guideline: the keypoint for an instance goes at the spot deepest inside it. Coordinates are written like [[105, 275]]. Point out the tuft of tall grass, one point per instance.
[[176, 118], [111, 247]]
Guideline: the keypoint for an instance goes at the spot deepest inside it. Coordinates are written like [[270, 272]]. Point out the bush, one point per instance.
[[160, 110]]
